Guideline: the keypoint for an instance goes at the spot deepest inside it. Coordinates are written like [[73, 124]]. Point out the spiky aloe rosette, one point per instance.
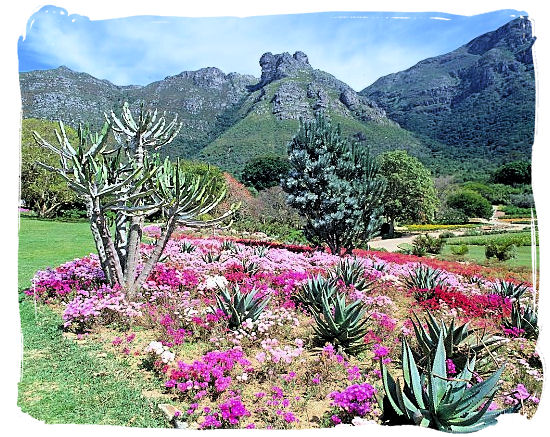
[[431, 399], [239, 306]]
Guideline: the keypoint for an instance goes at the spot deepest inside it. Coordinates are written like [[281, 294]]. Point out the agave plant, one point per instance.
[[228, 245], [460, 342], [260, 251], [431, 399], [250, 268], [211, 257], [351, 272], [310, 295], [239, 306], [525, 319], [187, 247], [509, 289], [341, 324], [424, 278]]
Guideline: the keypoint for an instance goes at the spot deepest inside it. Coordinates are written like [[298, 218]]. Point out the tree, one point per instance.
[[334, 185], [410, 191], [42, 191], [470, 203], [265, 171], [513, 173], [129, 180]]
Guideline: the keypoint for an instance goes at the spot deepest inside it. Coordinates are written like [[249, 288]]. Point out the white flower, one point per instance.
[[213, 282], [167, 356]]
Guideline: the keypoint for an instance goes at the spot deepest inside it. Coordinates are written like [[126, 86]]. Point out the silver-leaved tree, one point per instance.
[[128, 180]]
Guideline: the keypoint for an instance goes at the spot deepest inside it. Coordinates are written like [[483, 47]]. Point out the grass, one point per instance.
[[62, 382], [476, 253], [46, 243], [516, 238]]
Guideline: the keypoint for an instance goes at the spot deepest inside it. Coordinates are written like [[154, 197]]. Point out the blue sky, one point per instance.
[[356, 47]]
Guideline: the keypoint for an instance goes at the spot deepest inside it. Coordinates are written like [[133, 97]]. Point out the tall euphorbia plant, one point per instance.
[[126, 179]]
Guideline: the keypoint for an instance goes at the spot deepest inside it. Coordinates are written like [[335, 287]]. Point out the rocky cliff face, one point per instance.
[[479, 98]]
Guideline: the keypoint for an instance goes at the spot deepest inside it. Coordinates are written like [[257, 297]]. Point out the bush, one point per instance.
[[472, 204], [500, 251], [427, 244], [513, 173], [451, 216], [524, 200], [459, 250], [265, 171], [446, 234]]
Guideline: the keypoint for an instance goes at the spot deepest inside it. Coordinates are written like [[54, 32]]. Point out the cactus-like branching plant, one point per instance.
[[351, 272], [460, 342], [509, 289], [424, 278], [341, 324], [434, 400], [310, 295], [239, 306], [127, 179]]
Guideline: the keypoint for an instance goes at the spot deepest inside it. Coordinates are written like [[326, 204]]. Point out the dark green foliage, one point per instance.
[[265, 171], [427, 244], [334, 185], [472, 204], [211, 257], [523, 200], [513, 173], [430, 399], [342, 325], [240, 306], [410, 193], [502, 251], [517, 212]]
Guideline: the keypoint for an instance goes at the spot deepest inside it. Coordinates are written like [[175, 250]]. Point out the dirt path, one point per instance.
[[393, 244]]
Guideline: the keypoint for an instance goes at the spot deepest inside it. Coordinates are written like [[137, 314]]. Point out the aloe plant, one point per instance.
[[341, 324], [260, 251], [525, 318], [432, 399], [509, 289], [211, 257], [239, 306], [424, 278], [460, 342], [250, 268], [351, 272], [187, 247], [311, 294]]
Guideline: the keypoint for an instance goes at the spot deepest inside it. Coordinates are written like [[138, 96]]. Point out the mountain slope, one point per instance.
[[290, 89], [479, 99]]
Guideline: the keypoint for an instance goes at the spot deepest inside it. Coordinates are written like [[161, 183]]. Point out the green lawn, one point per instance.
[[45, 243], [63, 382], [476, 253]]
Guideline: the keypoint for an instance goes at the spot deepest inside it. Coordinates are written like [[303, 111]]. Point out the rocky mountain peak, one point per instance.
[[515, 36], [275, 67]]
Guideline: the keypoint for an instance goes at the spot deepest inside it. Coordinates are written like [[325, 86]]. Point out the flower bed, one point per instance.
[[271, 372]]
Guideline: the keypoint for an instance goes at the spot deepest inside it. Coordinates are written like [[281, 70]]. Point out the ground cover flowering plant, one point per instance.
[[271, 372]]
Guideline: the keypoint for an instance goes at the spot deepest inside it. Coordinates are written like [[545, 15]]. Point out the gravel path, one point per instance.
[[393, 244]]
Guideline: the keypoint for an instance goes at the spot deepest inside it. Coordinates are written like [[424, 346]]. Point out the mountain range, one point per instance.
[[466, 111]]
